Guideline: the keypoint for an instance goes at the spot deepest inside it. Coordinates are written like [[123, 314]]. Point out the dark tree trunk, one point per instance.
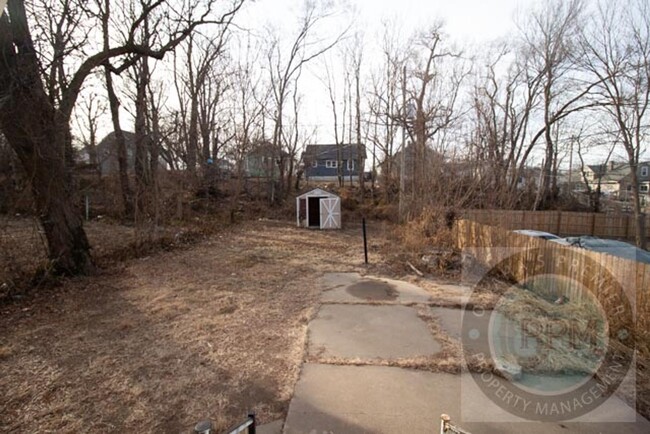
[[120, 147], [40, 136], [154, 145], [91, 148], [639, 216], [141, 164], [120, 141]]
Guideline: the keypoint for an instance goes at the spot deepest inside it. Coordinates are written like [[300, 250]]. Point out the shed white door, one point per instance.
[[330, 213]]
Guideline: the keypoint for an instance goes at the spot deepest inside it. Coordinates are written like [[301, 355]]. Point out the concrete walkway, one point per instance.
[[364, 328]]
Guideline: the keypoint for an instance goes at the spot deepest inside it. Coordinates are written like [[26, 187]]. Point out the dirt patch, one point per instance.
[[157, 343], [373, 290]]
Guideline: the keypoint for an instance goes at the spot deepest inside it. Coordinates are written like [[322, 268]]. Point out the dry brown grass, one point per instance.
[[521, 305], [427, 243], [23, 249], [160, 342]]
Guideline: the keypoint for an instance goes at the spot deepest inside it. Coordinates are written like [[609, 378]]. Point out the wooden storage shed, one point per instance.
[[318, 209]]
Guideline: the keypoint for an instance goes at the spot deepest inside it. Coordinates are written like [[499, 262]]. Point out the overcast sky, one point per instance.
[[468, 22], [472, 20]]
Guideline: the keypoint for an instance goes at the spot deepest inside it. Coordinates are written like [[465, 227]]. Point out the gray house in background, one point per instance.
[[107, 153], [324, 163]]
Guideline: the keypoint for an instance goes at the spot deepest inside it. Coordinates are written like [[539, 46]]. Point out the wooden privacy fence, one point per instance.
[[525, 258], [562, 223]]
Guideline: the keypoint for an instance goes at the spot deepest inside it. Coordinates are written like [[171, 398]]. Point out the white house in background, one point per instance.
[[318, 209], [609, 175], [615, 179]]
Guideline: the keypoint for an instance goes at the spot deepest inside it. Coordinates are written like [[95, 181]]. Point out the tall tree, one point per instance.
[[38, 127], [286, 66], [617, 47], [549, 38], [114, 104], [437, 73], [88, 122]]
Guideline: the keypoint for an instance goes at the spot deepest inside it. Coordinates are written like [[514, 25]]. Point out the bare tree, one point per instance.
[[437, 72], [617, 47], [285, 67], [549, 38], [38, 128], [251, 97], [104, 7], [593, 195], [384, 108], [88, 116], [339, 136]]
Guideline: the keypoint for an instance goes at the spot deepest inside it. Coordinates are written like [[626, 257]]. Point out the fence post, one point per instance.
[[593, 224], [559, 222], [365, 241]]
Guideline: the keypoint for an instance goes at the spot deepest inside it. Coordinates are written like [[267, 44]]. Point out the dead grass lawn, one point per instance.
[[161, 342]]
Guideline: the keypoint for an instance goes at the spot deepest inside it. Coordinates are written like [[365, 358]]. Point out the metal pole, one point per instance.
[[402, 164], [365, 241], [571, 167]]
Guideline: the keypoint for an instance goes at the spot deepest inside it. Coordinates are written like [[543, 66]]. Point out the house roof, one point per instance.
[[628, 176], [107, 146], [331, 152], [612, 172], [266, 149], [410, 153], [598, 169]]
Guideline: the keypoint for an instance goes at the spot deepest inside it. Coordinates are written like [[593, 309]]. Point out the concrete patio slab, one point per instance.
[[370, 332], [352, 288], [377, 399], [336, 280]]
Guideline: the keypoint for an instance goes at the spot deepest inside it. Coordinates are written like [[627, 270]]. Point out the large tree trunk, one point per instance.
[[639, 216], [41, 150], [120, 147], [40, 136], [120, 141], [141, 164], [193, 142]]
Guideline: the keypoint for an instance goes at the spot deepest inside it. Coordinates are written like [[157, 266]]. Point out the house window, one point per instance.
[[314, 163], [644, 188], [644, 171], [331, 164], [350, 164]]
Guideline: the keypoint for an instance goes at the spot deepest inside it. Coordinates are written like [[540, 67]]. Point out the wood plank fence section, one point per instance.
[[562, 223], [522, 258]]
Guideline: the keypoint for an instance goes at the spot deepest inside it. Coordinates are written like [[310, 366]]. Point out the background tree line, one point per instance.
[[443, 124]]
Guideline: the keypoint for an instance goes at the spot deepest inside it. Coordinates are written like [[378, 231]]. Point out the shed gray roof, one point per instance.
[[330, 152]]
